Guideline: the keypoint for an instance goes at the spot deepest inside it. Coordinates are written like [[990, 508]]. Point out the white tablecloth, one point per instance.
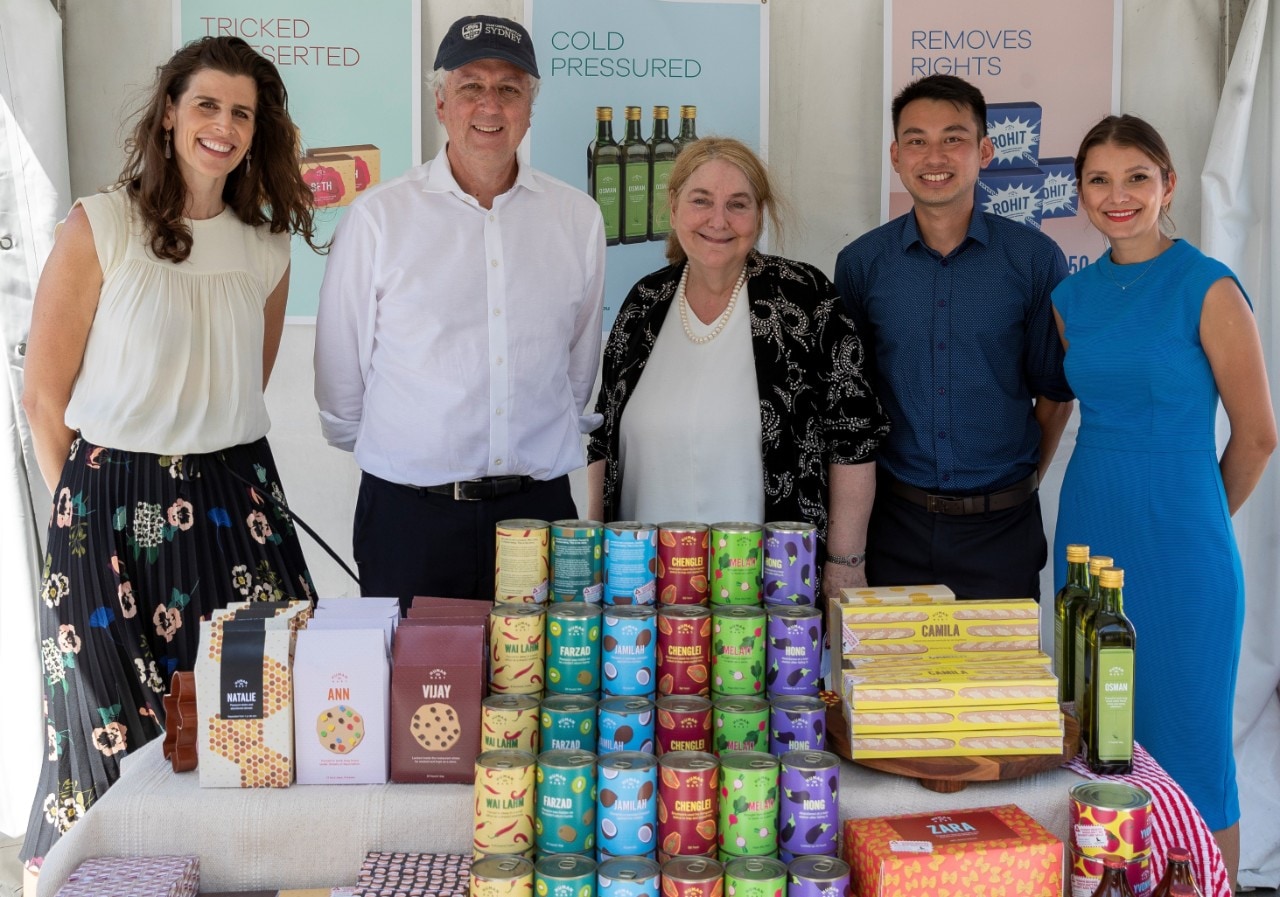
[[312, 836]]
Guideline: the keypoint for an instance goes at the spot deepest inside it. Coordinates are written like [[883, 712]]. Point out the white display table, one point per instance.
[[312, 836]]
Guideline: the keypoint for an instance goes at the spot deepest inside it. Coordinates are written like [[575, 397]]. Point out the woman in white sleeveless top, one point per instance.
[[154, 330]]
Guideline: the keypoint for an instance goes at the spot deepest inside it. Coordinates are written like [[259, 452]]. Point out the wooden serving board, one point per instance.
[[948, 775]]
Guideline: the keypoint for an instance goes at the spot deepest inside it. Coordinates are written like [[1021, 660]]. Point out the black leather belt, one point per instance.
[[482, 488], [959, 505]]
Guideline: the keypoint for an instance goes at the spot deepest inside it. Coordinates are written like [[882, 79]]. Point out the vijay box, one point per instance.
[[341, 707], [995, 851]]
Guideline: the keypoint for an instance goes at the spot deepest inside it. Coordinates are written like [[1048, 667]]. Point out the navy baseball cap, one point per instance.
[[486, 37]]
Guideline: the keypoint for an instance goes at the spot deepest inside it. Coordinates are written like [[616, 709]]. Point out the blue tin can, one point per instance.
[[793, 650], [628, 877], [627, 805], [630, 563], [625, 723], [629, 651], [568, 723]]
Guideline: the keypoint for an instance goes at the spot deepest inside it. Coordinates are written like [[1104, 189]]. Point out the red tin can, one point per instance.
[[684, 724], [688, 792], [684, 650], [682, 563]]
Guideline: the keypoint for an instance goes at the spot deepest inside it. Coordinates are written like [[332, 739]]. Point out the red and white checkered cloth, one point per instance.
[[1176, 824]]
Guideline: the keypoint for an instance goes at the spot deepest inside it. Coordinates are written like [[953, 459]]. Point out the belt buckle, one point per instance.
[[459, 494], [942, 504]]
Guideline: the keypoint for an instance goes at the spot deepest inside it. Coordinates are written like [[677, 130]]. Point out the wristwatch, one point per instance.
[[847, 560]]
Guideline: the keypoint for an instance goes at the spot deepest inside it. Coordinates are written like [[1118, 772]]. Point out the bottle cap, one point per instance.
[[1077, 554], [1111, 578], [604, 113], [1111, 861], [1098, 563]]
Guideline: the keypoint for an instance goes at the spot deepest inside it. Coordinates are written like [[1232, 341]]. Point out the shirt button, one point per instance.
[[942, 303], [946, 477], [942, 434], [493, 217], [942, 347], [497, 312], [498, 411], [494, 263], [942, 391], [499, 359], [945, 262], [497, 462]]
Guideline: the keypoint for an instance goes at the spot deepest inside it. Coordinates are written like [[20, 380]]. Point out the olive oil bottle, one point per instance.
[[662, 156], [635, 181], [604, 174], [688, 127], [1077, 612], [1076, 586], [1110, 645]]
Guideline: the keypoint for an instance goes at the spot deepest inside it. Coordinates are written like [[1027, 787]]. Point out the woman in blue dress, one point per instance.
[[1156, 333]]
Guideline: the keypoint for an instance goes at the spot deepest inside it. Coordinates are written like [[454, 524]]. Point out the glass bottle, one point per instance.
[[688, 127], [1115, 880], [1178, 877], [1078, 612], [662, 156], [1110, 644], [604, 174], [1076, 586], [635, 180]]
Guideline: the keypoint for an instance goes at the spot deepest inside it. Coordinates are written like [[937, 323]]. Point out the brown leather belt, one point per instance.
[[481, 488], [959, 505]]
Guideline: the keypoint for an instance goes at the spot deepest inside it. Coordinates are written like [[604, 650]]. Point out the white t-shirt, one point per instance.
[[689, 438], [173, 362]]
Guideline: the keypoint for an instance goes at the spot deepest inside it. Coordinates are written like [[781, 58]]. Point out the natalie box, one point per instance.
[[995, 851]]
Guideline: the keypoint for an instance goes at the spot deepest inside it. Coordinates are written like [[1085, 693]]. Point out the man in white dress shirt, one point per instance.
[[458, 332]]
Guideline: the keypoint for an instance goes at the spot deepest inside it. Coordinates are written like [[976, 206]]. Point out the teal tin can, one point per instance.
[[573, 648], [565, 817], [738, 650], [565, 875], [756, 876], [628, 877], [749, 803], [739, 723], [568, 723], [577, 561]]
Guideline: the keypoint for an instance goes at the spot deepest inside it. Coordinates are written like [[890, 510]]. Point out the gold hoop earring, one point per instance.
[[168, 144]]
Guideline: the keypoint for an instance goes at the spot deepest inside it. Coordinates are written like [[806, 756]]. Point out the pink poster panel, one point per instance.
[[1048, 71]]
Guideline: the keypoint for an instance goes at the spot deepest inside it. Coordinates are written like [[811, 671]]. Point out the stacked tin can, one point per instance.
[[1110, 818]]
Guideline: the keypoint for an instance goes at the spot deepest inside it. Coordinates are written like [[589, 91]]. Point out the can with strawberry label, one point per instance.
[[1110, 818]]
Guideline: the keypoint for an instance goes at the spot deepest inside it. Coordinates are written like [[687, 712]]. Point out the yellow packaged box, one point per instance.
[[876, 596], [959, 743], [973, 686], [959, 626], [1020, 657], [993, 851], [947, 719]]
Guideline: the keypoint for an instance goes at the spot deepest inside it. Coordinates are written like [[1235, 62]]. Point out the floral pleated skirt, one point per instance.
[[141, 549]]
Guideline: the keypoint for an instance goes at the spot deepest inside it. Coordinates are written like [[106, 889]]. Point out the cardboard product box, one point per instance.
[[366, 157], [959, 743], [323, 622], [994, 718], [995, 851], [388, 874], [1012, 193], [342, 705], [427, 601], [1014, 129], [872, 596], [293, 614], [164, 876], [956, 626], [437, 684], [984, 685], [332, 179], [1060, 197], [1029, 657], [244, 702]]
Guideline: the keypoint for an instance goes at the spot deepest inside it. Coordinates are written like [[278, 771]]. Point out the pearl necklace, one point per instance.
[[721, 321]]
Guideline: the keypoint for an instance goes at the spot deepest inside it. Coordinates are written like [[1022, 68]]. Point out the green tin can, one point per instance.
[[755, 876], [738, 650], [573, 648], [748, 803], [577, 561], [568, 723], [565, 875], [739, 723], [737, 563], [565, 819]]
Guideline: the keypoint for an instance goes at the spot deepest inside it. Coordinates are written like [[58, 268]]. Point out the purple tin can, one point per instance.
[[627, 805], [629, 651], [818, 876], [624, 723], [790, 559], [809, 809], [797, 723], [793, 650]]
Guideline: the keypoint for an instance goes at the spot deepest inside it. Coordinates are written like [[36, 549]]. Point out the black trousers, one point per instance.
[[998, 554], [410, 542]]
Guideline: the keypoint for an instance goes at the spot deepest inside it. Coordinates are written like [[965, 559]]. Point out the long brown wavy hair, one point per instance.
[[270, 193]]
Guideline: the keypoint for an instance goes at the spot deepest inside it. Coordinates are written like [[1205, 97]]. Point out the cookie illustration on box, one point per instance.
[[435, 726], [340, 729]]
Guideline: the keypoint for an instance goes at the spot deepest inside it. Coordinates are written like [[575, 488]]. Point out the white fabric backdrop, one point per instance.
[[1241, 189], [34, 193]]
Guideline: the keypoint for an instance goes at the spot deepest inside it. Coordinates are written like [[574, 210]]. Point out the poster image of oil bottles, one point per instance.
[[628, 179]]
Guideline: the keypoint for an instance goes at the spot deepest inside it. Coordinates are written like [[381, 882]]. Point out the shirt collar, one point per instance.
[[440, 177], [977, 232]]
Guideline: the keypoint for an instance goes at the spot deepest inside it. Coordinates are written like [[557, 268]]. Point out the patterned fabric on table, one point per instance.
[[1176, 822]]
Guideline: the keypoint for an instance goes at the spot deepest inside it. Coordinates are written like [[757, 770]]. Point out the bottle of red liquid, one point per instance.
[[1114, 881], [1178, 878]]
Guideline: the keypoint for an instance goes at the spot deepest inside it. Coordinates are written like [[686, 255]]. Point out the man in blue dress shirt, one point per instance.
[[954, 303]]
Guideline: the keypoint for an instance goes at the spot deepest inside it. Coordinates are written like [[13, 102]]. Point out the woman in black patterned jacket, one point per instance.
[[753, 405]]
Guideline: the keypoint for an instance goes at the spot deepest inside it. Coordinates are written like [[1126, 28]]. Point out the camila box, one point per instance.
[[995, 851]]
